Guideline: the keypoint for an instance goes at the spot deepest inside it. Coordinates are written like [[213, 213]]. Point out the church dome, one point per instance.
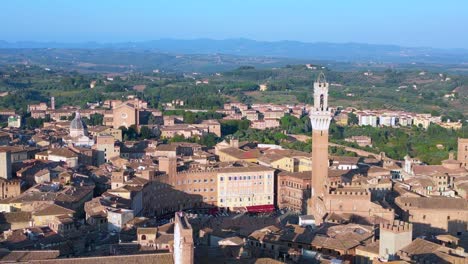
[[77, 123]]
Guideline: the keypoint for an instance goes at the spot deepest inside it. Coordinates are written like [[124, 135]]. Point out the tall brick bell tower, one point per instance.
[[320, 118]]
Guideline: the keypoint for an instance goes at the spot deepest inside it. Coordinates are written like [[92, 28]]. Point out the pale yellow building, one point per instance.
[[303, 164], [277, 161], [235, 154], [103, 130], [245, 184]]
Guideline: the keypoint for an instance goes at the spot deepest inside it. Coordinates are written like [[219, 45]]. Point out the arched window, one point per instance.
[[143, 237], [321, 101]]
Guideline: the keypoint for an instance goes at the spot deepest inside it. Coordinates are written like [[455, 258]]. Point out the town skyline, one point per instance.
[[258, 132]]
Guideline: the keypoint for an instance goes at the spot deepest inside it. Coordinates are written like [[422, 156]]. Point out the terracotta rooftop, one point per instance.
[[161, 258], [27, 255], [435, 203], [305, 175], [62, 152], [14, 217], [429, 252], [436, 169], [53, 209]]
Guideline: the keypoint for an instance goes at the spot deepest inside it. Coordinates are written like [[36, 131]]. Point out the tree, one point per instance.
[[96, 119], [32, 123], [353, 119], [145, 132], [177, 138], [208, 140], [152, 120], [132, 132]]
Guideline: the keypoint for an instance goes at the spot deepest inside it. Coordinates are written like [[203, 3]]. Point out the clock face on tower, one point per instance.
[[124, 115]]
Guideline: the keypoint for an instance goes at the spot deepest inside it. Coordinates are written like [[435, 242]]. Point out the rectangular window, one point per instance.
[[221, 178]]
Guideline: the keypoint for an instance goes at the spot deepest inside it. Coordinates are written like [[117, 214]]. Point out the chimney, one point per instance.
[[234, 143]]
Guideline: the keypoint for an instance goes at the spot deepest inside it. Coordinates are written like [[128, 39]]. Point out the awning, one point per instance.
[[213, 211], [261, 208]]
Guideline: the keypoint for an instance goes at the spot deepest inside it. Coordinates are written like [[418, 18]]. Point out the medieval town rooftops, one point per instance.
[[372, 247], [14, 217], [47, 192], [288, 153], [340, 237], [15, 149], [53, 209], [61, 152], [436, 169], [428, 252], [343, 237], [147, 230], [375, 170], [435, 203], [166, 147], [160, 258], [345, 159], [305, 175], [238, 166], [27, 255], [241, 154], [271, 157]]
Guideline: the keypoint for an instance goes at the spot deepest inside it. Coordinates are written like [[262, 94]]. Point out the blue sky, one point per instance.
[[404, 22]]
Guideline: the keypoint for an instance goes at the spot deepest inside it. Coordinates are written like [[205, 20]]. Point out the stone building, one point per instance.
[[393, 237], [105, 146], [5, 165], [463, 151], [9, 188], [293, 191], [434, 215], [125, 115], [243, 184]]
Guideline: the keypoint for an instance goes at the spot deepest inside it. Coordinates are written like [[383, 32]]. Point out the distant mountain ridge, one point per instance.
[[350, 52]]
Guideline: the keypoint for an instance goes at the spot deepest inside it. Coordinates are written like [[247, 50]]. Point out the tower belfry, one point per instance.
[[320, 118]]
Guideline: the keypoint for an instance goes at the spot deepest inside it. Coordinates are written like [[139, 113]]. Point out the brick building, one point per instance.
[[434, 215], [463, 151], [293, 191]]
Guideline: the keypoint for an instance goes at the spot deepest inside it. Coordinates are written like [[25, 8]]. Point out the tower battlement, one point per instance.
[[364, 193], [397, 227], [345, 184]]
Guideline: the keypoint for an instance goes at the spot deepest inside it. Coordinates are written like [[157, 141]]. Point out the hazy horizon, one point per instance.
[[225, 39], [401, 23]]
